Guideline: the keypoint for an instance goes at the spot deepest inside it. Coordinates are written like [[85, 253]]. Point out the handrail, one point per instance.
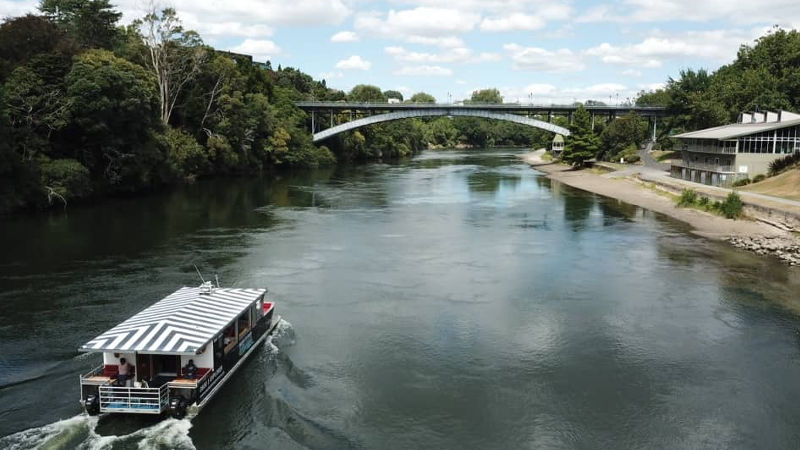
[[383, 105], [133, 399], [94, 372]]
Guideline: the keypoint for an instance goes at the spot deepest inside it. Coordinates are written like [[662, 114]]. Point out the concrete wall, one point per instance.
[[757, 163]]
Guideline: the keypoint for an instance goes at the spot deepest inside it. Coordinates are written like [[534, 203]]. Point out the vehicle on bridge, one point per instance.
[[173, 357]]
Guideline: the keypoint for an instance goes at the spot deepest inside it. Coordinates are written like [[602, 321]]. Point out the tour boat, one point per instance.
[[214, 328]]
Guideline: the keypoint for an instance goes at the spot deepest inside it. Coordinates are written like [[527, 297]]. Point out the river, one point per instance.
[[456, 300]]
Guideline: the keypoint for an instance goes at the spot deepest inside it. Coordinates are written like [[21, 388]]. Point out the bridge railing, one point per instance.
[[471, 105]]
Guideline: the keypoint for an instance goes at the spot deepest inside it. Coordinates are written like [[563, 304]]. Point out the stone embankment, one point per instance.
[[784, 248]]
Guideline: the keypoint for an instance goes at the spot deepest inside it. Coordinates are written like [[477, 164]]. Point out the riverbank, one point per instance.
[[751, 235]]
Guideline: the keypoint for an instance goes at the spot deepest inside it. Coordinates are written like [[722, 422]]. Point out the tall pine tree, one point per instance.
[[582, 144]]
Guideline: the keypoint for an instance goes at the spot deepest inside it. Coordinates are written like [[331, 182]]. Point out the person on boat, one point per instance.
[[124, 372], [190, 370]]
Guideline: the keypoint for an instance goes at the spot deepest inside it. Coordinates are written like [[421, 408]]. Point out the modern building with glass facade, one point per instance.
[[721, 155]]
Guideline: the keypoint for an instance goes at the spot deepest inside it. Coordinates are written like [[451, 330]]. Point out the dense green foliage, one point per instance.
[[85, 108], [486, 96], [622, 137], [582, 144]]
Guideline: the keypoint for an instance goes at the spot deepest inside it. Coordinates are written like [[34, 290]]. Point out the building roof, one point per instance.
[[736, 130], [558, 138], [181, 323]]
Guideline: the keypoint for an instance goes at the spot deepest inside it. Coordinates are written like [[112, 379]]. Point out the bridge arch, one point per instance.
[[397, 115]]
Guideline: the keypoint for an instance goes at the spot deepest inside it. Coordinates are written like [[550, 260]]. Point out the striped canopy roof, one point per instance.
[[181, 323]]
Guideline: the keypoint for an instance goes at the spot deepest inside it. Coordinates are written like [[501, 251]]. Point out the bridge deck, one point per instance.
[[647, 111]]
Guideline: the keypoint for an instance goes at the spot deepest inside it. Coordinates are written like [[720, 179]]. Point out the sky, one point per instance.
[[540, 51]]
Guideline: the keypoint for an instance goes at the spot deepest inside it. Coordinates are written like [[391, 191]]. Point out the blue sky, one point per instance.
[[548, 51]]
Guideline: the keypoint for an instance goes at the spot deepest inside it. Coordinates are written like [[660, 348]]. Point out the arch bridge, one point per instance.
[[346, 116]]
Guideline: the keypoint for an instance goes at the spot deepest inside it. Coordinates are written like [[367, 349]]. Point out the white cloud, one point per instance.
[[271, 12], [423, 25], [652, 86], [442, 41], [632, 73], [547, 9], [715, 45], [455, 55], [12, 8], [742, 12], [260, 49], [543, 93], [539, 59], [512, 22], [353, 63], [424, 71], [345, 36]]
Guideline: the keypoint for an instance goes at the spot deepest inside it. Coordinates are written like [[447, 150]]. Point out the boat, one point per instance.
[[176, 354]]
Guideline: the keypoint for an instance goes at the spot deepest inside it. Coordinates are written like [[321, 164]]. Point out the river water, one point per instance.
[[457, 300]]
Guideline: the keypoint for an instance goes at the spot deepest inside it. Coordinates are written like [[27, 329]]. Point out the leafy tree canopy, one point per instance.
[[486, 96], [366, 93], [393, 94], [422, 97]]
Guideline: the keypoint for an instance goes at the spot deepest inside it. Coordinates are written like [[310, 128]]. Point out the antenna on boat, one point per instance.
[[216, 277], [198, 273]]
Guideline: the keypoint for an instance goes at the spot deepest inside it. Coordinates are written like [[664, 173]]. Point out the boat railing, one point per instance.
[[94, 372], [138, 400]]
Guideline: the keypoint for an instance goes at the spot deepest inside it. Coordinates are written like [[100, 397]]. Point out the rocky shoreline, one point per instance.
[[784, 248]]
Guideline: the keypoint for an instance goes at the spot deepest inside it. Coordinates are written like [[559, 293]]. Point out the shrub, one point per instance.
[[781, 164], [688, 197], [65, 178], [732, 206], [704, 202], [185, 155], [742, 182], [759, 177]]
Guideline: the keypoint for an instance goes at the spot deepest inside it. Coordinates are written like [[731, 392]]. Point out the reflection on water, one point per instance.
[[457, 300]]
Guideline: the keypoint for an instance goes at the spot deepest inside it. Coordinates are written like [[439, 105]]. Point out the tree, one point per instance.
[[441, 132], [37, 107], [422, 97], [582, 144], [175, 56], [114, 113], [366, 93], [22, 38], [92, 23], [393, 94], [486, 96], [658, 97], [621, 133]]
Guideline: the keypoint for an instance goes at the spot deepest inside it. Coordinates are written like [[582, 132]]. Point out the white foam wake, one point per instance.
[[79, 432]]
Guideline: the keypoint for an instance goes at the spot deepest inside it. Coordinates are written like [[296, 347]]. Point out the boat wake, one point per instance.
[[80, 432]]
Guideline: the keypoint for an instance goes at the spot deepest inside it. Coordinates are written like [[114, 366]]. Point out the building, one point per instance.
[[721, 155], [557, 146]]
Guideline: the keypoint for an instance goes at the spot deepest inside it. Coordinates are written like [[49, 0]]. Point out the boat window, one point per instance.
[[229, 339], [244, 323]]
